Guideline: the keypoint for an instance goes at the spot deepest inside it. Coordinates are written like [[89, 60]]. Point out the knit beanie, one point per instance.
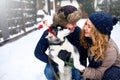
[[103, 22], [66, 14]]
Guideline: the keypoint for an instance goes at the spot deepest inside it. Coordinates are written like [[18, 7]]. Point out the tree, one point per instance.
[[87, 5], [115, 8]]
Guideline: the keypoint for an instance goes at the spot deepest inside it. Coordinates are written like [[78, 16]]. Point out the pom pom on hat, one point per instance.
[[103, 22], [115, 20]]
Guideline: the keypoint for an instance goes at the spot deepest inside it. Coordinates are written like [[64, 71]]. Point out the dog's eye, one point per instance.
[[50, 36], [59, 28]]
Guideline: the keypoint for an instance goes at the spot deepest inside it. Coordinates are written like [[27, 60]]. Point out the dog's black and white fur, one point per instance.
[[59, 42]]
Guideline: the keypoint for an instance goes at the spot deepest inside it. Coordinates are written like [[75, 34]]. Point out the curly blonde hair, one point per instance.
[[99, 43]]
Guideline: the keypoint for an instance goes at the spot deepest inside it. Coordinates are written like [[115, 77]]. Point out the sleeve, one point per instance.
[[41, 47], [97, 73]]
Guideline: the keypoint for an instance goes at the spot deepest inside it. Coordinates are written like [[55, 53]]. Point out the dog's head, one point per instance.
[[57, 34]]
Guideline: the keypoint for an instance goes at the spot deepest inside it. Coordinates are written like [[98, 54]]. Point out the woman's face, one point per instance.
[[71, 26], [88, 28]]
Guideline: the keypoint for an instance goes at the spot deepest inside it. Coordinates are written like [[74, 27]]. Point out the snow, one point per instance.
[[74, 3], [17, 60]]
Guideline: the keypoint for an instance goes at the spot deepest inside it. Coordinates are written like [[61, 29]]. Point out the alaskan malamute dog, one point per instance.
[[57, 42]]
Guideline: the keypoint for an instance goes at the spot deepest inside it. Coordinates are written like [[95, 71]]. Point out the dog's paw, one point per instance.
[[61, 69], [79, 67], [82, 67]]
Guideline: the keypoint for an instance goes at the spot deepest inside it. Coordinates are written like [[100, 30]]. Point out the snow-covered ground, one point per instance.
[[17, 60]]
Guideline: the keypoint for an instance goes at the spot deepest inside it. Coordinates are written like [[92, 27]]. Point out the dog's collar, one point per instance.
[[58, 43]]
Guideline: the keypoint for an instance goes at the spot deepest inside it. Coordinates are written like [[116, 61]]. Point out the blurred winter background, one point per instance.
[[19, 20]]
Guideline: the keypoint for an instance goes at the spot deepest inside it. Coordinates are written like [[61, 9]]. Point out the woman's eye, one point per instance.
[[85, 23]]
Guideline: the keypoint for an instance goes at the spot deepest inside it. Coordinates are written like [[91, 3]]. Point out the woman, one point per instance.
[[103, 53]]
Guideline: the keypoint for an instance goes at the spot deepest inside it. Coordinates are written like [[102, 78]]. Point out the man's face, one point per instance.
[[71, 26]]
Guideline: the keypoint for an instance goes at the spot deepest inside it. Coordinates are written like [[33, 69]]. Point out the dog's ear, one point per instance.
[[59, 28], [48, 35], [54, 29]]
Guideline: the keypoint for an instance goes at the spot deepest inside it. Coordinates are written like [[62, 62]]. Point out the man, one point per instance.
[[66, 17]]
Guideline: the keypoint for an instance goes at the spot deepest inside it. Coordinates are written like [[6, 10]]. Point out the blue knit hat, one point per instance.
[[103, 22]]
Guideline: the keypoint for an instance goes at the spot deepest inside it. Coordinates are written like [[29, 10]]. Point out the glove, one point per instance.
[[70, 63]]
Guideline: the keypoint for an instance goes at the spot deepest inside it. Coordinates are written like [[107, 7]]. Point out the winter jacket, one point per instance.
[[96, 70], [74, 39]]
